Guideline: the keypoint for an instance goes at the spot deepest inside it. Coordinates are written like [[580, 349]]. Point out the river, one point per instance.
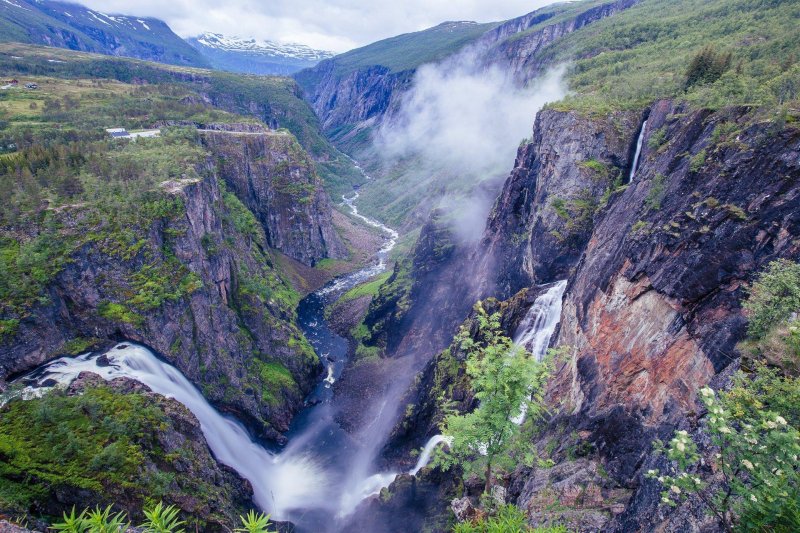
[[313, 482]]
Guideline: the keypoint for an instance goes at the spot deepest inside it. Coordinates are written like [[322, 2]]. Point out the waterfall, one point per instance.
[[638, 152], [535, 330], [278, 485], [540, 321], [427, 451]]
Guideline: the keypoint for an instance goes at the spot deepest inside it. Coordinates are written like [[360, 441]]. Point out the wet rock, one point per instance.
[[463, 509], [102, 361], [498, 495]]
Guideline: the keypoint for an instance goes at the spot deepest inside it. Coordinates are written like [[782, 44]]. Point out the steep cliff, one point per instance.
[[276, 179], [545, 213], [652, 308], [199, 284]]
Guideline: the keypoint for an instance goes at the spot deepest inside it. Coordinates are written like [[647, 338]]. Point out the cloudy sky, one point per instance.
[[337, 25]]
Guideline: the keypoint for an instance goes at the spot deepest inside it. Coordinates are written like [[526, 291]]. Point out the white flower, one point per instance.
[[665, 499], [661, 479], [676, 489], [724, 429], [779, 473], [707, 392], [771, 425], [683, 433], [753, 498], [747, 464], [680, 446], [780, 420], [652, 472]]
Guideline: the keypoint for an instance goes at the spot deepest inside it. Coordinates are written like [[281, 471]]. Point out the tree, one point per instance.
[[756, 456], [505, 379]]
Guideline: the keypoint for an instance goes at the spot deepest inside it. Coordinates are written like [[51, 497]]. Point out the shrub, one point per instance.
[[774, 297], [707, 66], [756, 458], [508, 519]]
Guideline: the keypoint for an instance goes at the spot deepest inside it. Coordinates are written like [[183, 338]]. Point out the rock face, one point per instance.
[[656, 274], [532, 32], [230, 329], [545, 213], [274, 177]]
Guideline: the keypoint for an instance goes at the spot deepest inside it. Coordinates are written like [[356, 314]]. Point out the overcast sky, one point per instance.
[[336, 25]]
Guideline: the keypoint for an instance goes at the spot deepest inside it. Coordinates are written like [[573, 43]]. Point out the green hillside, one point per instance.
[[271, 99], [644, 53], [401, 53], [76, 27]]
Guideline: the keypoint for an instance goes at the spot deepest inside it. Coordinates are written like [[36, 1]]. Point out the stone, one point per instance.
[[463, 509]]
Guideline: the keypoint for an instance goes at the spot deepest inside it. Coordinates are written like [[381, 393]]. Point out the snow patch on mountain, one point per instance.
[[266, 48]]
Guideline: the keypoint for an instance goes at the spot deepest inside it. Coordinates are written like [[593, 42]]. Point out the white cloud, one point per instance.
[[336, 25], [465, 119]]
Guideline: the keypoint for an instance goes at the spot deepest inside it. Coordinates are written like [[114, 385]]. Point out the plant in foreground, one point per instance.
[[757, 459], [161, 519], [254, 523]]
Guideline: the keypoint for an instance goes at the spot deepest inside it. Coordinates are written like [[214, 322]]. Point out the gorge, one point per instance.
[[198, 319]]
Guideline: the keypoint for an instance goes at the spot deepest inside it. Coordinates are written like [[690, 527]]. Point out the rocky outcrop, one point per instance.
[[516, 45], [171, 455], [653, 311], [275, 178], [544, 216], [200, 287]]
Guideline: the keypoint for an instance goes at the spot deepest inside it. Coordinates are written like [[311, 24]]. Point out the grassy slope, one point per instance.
[[276, 98], [401, 53], [642, 54], [36, 22]]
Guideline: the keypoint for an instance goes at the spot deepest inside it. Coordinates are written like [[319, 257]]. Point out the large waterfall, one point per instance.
[[278, 484], [537, 327]]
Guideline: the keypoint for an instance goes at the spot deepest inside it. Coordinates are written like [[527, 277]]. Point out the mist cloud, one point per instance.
[[466, 120]]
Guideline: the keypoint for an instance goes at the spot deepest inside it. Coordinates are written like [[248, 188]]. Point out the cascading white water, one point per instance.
[[638, 153], [538, 325], [278, 485], [427, 452], [535, 330]]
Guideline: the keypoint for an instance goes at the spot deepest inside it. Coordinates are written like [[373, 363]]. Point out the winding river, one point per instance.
[[313, 482], [323, 473]]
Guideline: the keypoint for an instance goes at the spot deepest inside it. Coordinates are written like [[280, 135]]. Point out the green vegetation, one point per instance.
[[505, 379], [159, 519], [94, 442], [275, 378], [507, 519], [658, 189], [754, 426], [714, 54], [254, 523], [403, 52], [774, 297], [103, 444], [370, 288]]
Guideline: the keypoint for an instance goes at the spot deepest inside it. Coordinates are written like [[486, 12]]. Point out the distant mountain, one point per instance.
[[252, 56], [76, 27]]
